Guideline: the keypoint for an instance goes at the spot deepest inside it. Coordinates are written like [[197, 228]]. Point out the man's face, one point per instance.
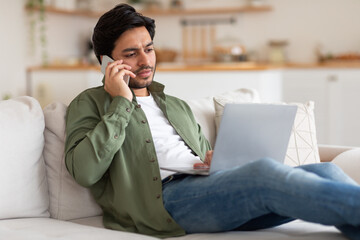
[[136, 49]]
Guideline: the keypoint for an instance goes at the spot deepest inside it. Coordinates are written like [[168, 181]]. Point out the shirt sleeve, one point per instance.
[[203, 142], [197, 142], [94, 138]]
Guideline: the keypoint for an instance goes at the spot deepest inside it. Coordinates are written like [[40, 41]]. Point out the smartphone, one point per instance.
[[104, 62]]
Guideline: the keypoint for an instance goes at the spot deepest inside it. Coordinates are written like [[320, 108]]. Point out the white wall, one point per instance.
[[304, 23], [65, 38], [67, 35], [12, 48]]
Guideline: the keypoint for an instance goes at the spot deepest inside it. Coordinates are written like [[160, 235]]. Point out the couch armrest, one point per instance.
[[329, 152], [349, 162]]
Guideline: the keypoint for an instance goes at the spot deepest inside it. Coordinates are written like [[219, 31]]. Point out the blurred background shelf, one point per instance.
[[162, 12]]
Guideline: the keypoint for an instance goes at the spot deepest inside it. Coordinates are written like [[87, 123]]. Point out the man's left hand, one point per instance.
[[207, 162]]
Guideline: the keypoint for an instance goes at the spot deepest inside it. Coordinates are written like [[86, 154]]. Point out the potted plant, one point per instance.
[[36, 11]]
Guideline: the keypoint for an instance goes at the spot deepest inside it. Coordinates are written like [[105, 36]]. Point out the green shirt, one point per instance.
[[109, 149]]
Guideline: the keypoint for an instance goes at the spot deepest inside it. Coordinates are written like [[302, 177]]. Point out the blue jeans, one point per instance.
[[263, 194]]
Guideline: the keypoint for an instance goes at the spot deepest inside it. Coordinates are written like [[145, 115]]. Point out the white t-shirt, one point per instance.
[[171, 149]]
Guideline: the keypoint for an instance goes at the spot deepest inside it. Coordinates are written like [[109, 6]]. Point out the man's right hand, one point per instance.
[[114, 79]]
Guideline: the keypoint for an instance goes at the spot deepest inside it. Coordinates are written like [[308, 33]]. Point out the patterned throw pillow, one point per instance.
[[303, 148]]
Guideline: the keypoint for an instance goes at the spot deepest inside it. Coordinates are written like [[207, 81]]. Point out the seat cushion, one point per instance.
[[24, 191], [296, 230], [52, 229]]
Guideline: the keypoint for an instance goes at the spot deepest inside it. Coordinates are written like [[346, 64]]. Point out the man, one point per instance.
[[119, 137]]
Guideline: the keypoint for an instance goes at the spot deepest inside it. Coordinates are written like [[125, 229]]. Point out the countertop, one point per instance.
[[231, 66]]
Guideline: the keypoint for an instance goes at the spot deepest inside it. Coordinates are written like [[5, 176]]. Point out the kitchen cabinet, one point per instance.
[[336, 96], [198, 84]]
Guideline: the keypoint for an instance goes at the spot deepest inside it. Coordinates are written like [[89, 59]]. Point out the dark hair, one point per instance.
[[114, 23]]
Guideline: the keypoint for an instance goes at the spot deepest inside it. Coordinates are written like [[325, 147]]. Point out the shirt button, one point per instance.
[[116, 136], [128, 109], [155, 178], [138, 106], [143, 121], [168, 220], [148, 140], [158, 196], [152, 160]]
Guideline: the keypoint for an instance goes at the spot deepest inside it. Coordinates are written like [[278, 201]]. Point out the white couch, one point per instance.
[[39, 199]]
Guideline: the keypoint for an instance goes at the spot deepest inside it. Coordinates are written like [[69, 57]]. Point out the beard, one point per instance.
[[137, 83]]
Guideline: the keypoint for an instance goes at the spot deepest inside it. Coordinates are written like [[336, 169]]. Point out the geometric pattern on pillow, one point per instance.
[[68, 200], [302, 147]]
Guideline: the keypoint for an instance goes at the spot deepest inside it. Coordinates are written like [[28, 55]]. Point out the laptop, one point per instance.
[[249, 132]]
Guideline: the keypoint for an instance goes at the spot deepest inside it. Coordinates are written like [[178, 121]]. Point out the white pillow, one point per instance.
[[302, 148], [24, 191], [68, 200], [203, 110], [349, 162]]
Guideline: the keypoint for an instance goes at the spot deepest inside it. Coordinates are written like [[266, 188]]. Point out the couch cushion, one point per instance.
[[295, 230], [204, 113], [24, 191], [349, 161], [68, 200], [52, 229], [302, 148]]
